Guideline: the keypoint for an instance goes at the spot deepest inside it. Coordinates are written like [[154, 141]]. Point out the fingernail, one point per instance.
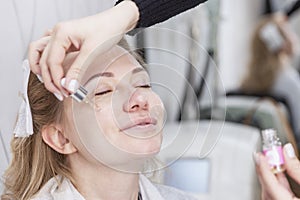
[[40, 78], [256, 158], [58, 96], [289, 150], [73, 86], [63, 82]]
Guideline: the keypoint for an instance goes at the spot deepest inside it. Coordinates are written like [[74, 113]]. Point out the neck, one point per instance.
[[96, 181]]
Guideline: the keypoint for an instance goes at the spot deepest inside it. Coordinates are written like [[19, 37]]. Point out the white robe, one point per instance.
[[149, 191]]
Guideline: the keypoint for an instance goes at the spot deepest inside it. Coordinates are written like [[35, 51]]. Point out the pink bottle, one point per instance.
[[272, 149]]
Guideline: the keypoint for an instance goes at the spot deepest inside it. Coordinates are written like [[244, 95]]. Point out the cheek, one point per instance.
[[155, 98], [156, 105], [106, 119], [68, 119], [111, 101], [70, 129]]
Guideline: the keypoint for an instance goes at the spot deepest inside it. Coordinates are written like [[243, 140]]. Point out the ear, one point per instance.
[[54, 137]]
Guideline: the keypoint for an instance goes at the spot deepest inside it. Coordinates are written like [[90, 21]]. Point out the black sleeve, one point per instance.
[[155, 11], [293, 8]]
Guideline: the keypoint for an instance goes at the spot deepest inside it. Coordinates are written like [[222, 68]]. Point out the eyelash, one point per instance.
[[107, 91], [102, 93], [144, 86]]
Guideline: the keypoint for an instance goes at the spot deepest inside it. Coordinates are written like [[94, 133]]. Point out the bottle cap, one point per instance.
[[268, 133]]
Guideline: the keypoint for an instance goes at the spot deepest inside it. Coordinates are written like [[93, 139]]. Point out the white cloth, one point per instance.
[[287, 85], [24, 126], [149, 191]]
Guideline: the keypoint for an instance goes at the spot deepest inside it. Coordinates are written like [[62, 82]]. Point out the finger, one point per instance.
[[48, 32], [265, 195], [77, 69], [34, 53], [292, 163], [88, 51], [55, 56], [48, 83], [55, 65], [268, 180], [282, 179]]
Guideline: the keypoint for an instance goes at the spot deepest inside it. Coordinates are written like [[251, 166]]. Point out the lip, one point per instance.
[[141, 123]]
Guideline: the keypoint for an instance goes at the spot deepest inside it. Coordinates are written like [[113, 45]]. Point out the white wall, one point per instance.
[[237, 21], [19, 26]]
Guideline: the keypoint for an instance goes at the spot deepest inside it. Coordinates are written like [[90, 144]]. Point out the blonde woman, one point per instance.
[[270, 70], [67, 154]]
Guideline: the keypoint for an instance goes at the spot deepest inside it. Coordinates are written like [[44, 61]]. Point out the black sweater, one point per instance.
[[155, 11], [293, 8]]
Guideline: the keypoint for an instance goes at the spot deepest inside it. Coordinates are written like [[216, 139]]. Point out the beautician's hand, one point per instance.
[[276, 187], [96, 34]]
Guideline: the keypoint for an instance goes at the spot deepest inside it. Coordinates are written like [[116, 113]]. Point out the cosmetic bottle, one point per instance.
[[272, 149]]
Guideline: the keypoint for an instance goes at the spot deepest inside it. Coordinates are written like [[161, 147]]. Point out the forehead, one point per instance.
[[117, 61], [121, 65]]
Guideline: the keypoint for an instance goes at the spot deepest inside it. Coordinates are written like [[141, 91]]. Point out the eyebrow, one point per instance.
[[137, 70], [110, 74]]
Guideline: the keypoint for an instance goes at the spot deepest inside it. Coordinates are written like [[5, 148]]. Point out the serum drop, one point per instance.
[[272, 149]]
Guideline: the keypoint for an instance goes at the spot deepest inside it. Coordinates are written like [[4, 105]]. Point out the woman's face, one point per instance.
[[128, 113]]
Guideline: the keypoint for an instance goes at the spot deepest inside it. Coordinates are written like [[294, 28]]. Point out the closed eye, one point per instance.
[[103, 92], [144, 86]]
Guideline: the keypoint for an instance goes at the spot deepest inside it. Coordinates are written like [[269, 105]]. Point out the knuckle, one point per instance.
[[34, 69], [60, 29], [57, 79], [56, 82], [74, 72], [50, 62], [58, 26], [31, 46], [294, 167], [42, 62], [48, 86]]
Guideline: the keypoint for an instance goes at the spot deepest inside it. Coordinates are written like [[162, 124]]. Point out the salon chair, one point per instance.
[[266, 115], [211, 159]]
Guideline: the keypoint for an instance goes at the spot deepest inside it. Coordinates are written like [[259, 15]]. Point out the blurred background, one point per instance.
[[201, 64]]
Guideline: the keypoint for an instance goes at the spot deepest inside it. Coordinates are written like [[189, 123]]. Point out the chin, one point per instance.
[[148, 148]]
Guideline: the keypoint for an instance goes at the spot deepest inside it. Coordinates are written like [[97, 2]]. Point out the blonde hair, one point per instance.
[[34, 162], [265, 64]]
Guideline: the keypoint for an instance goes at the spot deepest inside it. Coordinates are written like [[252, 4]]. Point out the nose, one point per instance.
[[136, 102]]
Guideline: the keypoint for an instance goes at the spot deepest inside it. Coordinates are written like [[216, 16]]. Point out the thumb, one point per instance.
[[292, 163], [77, 70]]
